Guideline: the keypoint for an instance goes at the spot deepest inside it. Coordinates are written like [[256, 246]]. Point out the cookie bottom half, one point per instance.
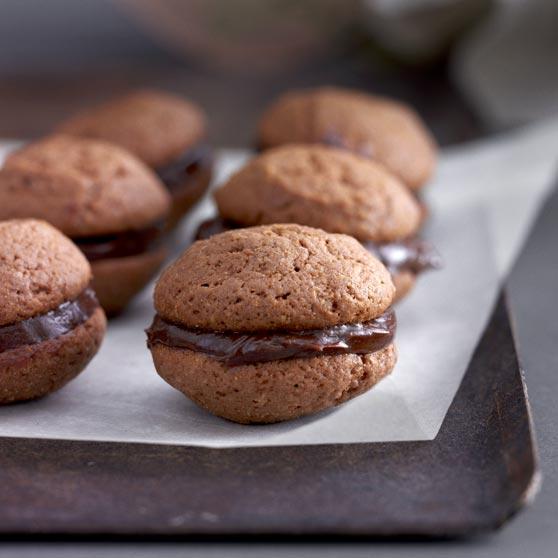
[[33, 371], [272, 391], [117, 280], [185, 195]]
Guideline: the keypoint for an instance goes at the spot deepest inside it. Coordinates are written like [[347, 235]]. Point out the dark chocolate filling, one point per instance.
[[121, 245], [51, 325], [214, 226], [414, 254], [240, 348], [175, 174]]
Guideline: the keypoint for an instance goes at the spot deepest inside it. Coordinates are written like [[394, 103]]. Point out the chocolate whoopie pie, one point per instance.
[[165, 131], [382, 129], [107, 201], [270, 323], [334, 190], [51, 324]]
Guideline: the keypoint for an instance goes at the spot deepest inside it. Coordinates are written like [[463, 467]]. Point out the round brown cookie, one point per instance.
[[156, 126], [272, 391], [105, 199], [321, 187], [83, 187], [51, 324], [262, 281], [273, 277], [165, 131], [382, 129]]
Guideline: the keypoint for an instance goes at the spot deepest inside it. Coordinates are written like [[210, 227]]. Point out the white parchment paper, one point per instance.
[[483, 202]]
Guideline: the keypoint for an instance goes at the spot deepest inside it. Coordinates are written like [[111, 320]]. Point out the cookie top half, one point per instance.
[[83, 187], [40, 269], [321, 187], [273, 277], [375, 127], [156, 126]]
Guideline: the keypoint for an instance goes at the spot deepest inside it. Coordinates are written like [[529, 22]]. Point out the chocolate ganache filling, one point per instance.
[[121, 245], [175, 175], [214, 226], [51, 325], [240, 348], [413, 254]]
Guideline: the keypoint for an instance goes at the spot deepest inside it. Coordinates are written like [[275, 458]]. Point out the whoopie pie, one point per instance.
[[107, 201], [51, 324], [270, 323]]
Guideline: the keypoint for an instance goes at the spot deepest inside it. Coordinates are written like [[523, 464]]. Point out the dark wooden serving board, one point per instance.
[[476, 474]]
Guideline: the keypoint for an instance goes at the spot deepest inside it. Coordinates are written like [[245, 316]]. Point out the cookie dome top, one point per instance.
[[273, 277], [156, 126], [40, 269], [322, 187], [387, 131], [83, 187]]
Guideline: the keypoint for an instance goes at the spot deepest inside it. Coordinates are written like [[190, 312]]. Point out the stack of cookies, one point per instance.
[[280, 309]]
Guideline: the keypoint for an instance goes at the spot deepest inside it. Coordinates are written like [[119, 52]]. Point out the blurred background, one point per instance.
[[471, 67]]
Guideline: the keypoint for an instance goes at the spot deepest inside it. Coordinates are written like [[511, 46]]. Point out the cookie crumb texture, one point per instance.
[[273, 277], [39, 269], [321, 187], [33, 371], [273, 391], [83, 187], [375, 127]]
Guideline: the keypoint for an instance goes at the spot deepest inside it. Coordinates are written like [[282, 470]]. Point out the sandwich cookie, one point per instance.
[[165, 131], [51, 324], [107, 201], [270, 323], [334, 190], [381, 129]]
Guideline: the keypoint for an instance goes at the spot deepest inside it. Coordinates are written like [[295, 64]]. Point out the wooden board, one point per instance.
[[476, 474]]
